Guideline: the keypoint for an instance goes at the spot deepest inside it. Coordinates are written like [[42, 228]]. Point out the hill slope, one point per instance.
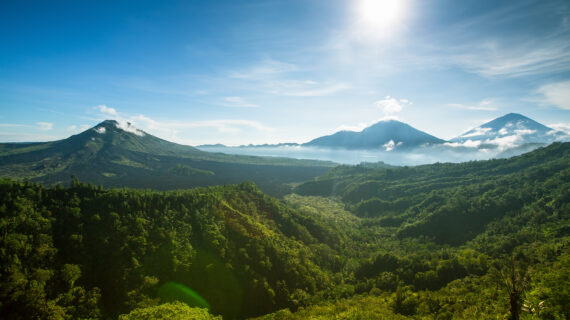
[[119, 155], [423, 242], [443, 201], [384, 135]]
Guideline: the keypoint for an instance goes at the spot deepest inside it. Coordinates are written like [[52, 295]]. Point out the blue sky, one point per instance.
[[268, 71]]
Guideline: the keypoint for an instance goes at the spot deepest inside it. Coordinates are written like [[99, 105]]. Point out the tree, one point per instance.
[[513, 276], [170, 311]]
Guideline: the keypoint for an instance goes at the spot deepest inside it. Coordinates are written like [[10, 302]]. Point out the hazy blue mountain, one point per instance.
[[265, 145], [387, 135], [119, 155], [510, 130]]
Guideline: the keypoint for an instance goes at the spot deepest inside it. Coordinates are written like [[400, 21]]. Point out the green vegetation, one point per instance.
[[108, 156], [476, 240], [169, 311]]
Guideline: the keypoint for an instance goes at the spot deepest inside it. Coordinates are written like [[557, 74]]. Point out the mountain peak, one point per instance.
[[511, 129], [513, 115], [107, 124], [384, 135], [114, 125]]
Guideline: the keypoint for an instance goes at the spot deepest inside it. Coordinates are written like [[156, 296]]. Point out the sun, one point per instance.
[[380, 15]]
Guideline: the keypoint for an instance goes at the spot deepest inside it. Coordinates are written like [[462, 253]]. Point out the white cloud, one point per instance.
[[392, 106], [104, 109], [127, 126], [363, 125], [561, 131], [557, 94], [359, 127], [44, 126], [501, 143], [390, 145], [477, 132], [564, 127], [485, 105], [101, 130], [238, 102], [505, 142], [267, 68], [467, 143], [523, 132]]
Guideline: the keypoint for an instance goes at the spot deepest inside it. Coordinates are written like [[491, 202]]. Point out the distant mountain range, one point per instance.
[[117, 154], [509, 131]]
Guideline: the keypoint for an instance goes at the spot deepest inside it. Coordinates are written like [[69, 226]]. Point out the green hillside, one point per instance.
[[449, 203], [113, 157], [477, 240]]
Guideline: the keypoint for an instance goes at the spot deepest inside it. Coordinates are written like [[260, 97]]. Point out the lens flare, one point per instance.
[[171, 291]]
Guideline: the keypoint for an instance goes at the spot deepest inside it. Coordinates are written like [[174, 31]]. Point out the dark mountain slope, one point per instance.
[[119, 155]]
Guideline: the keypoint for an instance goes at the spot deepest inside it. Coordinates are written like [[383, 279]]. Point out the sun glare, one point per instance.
[[379, 16]]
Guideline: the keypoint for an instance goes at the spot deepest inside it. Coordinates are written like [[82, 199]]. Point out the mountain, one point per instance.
[[117, 154], [388, 135], [510, 130]]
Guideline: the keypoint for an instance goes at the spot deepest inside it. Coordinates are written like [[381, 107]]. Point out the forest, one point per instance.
[[475, 240]]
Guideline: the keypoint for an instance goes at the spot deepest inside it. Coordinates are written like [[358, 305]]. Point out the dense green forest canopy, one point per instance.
[[471, 241]]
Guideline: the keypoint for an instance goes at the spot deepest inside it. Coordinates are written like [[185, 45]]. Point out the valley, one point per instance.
[[359, 241]]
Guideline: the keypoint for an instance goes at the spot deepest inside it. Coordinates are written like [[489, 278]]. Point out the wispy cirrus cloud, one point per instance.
[[556, 94], [44, 126], [280, 78], [13, 125], [266, 68], [306, 88], [238, 102], [510, 51], [484, 105], [503, 59]]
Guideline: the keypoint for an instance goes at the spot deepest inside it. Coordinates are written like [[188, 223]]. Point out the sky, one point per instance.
[[269, 71]]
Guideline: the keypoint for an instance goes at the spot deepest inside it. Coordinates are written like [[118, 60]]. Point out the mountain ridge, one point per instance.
[[393, 135], [116, 154]]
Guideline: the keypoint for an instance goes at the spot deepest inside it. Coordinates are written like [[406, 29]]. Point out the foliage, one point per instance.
[[464, 241], [169, 311]]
